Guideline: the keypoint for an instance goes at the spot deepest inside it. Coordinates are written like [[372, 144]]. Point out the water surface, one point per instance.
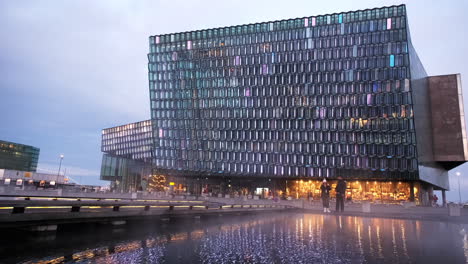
[[264, 238]]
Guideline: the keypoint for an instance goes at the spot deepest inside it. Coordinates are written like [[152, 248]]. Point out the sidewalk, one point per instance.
[[394, 212]]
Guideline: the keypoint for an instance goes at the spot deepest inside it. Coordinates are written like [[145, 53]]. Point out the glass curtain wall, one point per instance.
[[312, 97]]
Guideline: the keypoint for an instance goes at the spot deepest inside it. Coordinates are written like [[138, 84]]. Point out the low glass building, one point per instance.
[[272, 108], [127, 155], [14, 156]]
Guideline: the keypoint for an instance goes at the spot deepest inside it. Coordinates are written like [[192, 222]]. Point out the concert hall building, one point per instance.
[[273, 108]]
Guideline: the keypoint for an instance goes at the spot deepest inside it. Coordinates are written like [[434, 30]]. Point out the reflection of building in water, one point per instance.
[[292, 238], [127, 246], [309, 239]]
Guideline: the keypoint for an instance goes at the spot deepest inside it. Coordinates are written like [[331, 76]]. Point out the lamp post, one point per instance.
[[60, 166], [459, 193]]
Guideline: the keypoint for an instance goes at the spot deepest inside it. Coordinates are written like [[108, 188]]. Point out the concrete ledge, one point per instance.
[[398, 212], [408, 204], [49, 218]]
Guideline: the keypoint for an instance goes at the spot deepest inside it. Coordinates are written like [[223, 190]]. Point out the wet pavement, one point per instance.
[[262, 238]]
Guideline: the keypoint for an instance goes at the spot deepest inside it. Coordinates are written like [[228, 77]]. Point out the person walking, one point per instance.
[[340, 190], [325, 188], [431, 199], [435, 199]]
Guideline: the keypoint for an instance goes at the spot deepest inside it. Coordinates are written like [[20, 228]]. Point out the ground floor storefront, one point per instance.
[[377, 191]]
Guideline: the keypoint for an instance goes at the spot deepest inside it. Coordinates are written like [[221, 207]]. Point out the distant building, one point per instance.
[[272, 108], [128, 155], [14, 156], [30, 179]]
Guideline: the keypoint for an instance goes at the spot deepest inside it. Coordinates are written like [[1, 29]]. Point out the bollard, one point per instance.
[[454, 209], [366, 208], [408, 205]]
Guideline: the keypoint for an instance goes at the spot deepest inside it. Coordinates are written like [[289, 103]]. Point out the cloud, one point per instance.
[[76, 57]]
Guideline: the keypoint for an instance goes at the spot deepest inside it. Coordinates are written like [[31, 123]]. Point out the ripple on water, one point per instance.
[[291, 238]]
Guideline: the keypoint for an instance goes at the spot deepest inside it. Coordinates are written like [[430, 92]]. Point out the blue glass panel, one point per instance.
[[340, 18], [375, 87], [392, 60]]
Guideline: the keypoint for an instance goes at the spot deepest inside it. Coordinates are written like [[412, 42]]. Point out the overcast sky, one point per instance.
[[70, 68]]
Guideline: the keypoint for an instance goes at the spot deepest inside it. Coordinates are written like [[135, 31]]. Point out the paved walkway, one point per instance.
[[351, 209], [395, 212]]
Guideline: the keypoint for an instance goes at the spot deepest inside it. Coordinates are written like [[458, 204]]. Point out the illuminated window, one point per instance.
[[392, 60]]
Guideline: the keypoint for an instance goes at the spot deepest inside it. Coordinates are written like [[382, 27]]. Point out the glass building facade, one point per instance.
[[320, 96], [131, 141], [14, 156], [128, 154], [284, 104]]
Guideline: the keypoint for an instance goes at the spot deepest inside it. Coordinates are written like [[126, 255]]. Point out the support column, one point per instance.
[[444, 199], [411, 192], [423, 195], [430, 195]]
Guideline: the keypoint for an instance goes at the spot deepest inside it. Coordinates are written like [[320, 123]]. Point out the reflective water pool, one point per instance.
[[267, 238]]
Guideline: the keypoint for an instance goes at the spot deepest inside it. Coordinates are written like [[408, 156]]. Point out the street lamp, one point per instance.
[[60, 166], [459, 193]]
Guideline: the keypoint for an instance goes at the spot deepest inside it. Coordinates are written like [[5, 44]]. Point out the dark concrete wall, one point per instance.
[[448, 122]]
